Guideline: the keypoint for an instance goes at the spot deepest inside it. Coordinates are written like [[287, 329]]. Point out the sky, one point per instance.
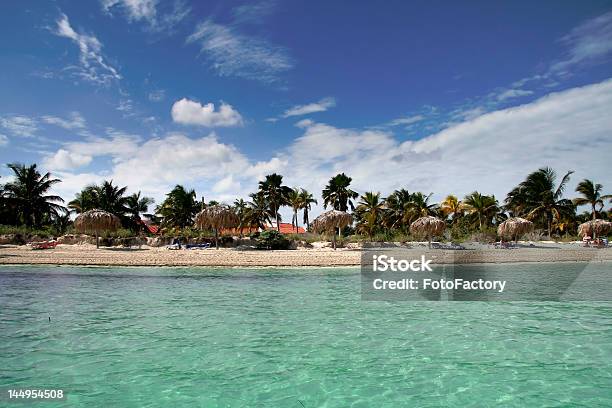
[[439, 97]]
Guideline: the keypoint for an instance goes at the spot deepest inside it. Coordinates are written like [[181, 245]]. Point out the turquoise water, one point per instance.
[[145, 337]]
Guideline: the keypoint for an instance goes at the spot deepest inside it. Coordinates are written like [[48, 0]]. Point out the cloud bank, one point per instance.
[[492, 153]]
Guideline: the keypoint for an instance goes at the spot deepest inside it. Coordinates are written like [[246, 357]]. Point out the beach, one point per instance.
[[87, 254]]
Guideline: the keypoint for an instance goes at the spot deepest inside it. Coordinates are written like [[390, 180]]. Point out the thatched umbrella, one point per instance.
[[514, 227], [217, 217], [427, 227], [594, 228], [94, 221], [329, 221]]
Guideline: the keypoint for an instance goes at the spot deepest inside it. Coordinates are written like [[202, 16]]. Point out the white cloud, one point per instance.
[[126, 107], [233, 54], [226, 185], [513, 93], [590, 41], [66, 160], [408, 120], [260, 169], [468, 113], [188, 112], [92, 67], [320, 106], [75, 121], [155, 165], [19, 125], [3, 140], [72, 183], [157, 95], [118, 145], [149, 11], [134, 9], [304, 123], [253, 12]]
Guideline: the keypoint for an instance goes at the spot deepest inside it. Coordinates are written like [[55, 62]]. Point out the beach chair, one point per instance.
[[503, 245], [44, 244], [204, 245]]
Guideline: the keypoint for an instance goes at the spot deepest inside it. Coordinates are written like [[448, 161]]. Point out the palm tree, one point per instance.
[[111, 198], [591, 195], [369, 211], [136, 205], [258, 212], [61, 222], [240, 206], [275, 193], [482, 208], [179, 207], [451, 206], [398, 211], [84, 200], [337, 193], [537, 197], [419, 206], [28, 194], [294, 199], [307, 200], [7, 213]]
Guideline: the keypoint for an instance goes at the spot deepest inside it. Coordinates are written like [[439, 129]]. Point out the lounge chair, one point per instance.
[[205, 245], [503, 245], [44, 244]]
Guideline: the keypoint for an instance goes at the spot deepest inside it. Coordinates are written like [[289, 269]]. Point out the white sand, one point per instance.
[[149, 256]]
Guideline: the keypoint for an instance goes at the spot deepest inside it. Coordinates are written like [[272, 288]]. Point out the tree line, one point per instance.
[[26, 200]]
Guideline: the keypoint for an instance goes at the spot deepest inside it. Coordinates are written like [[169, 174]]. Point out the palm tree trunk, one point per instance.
[[549, 225], [217, 238], [594, 212], [334, 241], [277, 222], [97, 241]]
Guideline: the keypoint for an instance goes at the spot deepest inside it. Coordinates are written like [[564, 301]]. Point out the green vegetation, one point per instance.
[[271, 239], [28, 209]]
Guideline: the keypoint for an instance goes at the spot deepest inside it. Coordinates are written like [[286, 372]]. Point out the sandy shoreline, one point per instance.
[[149, 256]]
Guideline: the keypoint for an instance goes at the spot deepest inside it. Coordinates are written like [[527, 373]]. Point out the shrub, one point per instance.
[[272, 239]]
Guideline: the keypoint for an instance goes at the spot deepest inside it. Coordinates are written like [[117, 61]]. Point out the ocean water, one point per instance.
[[170, 337]]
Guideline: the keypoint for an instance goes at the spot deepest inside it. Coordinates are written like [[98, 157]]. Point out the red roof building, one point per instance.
[[286, 228]]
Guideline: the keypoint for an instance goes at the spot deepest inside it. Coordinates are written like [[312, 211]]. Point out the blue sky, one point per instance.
[[442, 97]]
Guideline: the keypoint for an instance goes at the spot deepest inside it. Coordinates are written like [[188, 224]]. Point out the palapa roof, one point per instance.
[[93, 221], [514, 227], [330, 220], [217, 216], [427, 226], [594, 227]]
